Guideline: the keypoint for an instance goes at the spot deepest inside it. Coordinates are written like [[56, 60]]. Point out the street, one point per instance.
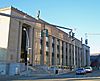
[[67, 79], [94, 76]]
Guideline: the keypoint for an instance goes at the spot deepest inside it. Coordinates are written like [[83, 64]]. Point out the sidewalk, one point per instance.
[[18, 77], [25, 77]]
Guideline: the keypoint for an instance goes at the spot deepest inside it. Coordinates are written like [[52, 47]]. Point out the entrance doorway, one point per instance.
[[24, 41]]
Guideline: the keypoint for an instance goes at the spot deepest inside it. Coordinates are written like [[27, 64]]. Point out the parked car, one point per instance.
[[80, 71], [54, 69], [88, 69]]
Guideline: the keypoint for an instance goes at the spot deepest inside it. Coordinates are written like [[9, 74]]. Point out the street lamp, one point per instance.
[[27, 46]]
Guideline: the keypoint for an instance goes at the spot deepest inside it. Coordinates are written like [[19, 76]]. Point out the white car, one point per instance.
[[88, 69]]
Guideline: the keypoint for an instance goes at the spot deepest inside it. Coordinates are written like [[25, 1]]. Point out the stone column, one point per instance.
[[80, 57], [50, 50], [71, 55], [55, 51], [64, 53], [43, 58], [74, 55], [83, 58], [60, 52], [68, 60], [30, 44], [34, 47], [19, 42], [77, 56]]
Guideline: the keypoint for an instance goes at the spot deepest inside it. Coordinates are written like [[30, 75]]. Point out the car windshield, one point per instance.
[[87, 68], [80, 69]]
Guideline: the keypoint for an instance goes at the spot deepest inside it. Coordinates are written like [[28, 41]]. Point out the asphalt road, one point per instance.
[[65, 79]]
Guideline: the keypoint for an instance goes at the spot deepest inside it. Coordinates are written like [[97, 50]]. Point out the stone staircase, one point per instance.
[[36, 70], [39, 70]]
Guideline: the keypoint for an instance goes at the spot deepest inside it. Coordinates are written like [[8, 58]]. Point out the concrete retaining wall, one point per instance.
[[11, 68]]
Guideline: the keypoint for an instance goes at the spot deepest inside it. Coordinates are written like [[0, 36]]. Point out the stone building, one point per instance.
[[85, 55], [37, 42]]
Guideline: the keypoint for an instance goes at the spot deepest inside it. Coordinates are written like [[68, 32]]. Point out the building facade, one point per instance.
[[37, 42], [85, 55]]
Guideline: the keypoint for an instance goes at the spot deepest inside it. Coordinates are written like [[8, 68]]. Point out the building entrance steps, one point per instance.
[[36, 70], [39, 70]]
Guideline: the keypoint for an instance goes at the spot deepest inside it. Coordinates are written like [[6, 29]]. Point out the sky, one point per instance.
[[83, 16]]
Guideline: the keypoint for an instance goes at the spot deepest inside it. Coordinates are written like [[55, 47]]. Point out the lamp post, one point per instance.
[[27, 46]]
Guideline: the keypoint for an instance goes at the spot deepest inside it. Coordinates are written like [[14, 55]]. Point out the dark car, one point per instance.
[[80, 71]]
